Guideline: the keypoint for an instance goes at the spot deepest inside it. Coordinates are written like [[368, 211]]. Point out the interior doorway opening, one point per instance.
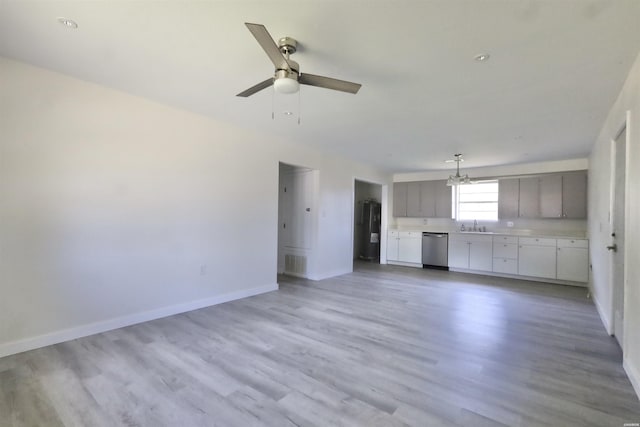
[[367, 221], [296, 210]]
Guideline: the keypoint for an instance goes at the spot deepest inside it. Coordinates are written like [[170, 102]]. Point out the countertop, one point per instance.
[[569, 234]]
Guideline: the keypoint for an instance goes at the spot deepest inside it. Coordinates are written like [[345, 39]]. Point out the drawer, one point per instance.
[[478, 238], [410, 234], [536, 241], [505, 265], [505, 239], [573, 243], [505, 250], [457, 237]]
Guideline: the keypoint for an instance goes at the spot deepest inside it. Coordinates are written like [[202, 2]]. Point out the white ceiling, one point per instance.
[[556, 68]]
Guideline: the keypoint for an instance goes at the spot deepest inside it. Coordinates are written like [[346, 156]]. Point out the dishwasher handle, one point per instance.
[[434, 235]]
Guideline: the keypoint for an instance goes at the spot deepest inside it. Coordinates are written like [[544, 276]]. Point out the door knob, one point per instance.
[[613, 248]]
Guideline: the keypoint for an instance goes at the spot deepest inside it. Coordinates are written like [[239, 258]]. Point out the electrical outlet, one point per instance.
[[509, 223], [425, 221], [203, 269]]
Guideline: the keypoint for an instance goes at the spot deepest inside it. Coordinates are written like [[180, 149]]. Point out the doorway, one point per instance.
[[617, 246], [296, 200], [367, 221]]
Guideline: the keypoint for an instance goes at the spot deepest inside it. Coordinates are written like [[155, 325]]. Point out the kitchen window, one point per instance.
[[477, 201]]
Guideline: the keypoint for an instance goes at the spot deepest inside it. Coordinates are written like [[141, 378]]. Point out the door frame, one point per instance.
[[311, 226], [384, 195], [612, 199]]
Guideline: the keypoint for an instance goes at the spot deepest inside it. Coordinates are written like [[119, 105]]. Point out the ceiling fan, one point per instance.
[[287, 77]]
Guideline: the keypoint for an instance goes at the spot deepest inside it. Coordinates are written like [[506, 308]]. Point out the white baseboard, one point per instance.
[[633, 374], [601, 312], [329, 274], [31, 343], [404, 264]]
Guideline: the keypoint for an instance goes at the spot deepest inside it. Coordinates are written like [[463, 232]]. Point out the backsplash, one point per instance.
[[561, 226]]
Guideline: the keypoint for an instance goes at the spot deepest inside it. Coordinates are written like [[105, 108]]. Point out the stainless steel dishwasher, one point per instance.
[[435, 250]]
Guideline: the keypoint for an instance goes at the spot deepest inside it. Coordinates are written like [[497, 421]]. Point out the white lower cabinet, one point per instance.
[[470, 251], [573, 260], [404, 246], [537, 257], [480, 254], [410, 247], [534, 257], [458, 253], [393, 238], [505, 254]]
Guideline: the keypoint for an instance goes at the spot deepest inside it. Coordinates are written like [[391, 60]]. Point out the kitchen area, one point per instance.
[[538, 231]]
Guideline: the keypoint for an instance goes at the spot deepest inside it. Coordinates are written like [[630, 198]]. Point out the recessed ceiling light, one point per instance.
[[288, 113], [68, 22], [481, 57]]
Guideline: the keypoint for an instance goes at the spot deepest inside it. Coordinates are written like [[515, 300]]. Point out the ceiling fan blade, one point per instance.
[[329, 83], [257, 88], [270, 47]]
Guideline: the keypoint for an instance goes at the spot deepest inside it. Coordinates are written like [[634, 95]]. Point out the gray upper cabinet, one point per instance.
[[428, 199], [554, 196], [399, 199], [422, 199], [574, 195], [529, 206], [508, 198], [413, 199], [559, 195], [443, 199], [551, 196]]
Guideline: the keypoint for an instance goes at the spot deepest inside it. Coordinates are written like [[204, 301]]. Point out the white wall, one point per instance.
[[115, 209], [599, 225]]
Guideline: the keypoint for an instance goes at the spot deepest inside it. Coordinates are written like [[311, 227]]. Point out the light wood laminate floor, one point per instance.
[[384, 346]]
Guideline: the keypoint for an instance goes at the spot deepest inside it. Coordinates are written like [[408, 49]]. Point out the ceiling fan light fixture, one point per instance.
[[286, 85]]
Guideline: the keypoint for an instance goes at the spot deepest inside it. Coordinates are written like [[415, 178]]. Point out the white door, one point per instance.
[[537, 261], [617, 234], [410, 247], [458, 253], [298, 190], [392, 246], [481, 256]]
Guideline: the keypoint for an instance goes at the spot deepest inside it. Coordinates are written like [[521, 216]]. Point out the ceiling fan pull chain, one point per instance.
[[273, 103]]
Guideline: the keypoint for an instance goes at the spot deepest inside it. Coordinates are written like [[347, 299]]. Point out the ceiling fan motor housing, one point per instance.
[[288, 45]]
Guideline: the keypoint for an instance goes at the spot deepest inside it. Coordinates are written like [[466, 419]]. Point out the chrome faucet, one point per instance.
[[475, 225]]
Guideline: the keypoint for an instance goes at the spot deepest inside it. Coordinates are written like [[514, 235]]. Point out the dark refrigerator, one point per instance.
[[370, 233]]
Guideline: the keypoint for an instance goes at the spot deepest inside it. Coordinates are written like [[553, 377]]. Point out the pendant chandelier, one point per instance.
[[458, 179]]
